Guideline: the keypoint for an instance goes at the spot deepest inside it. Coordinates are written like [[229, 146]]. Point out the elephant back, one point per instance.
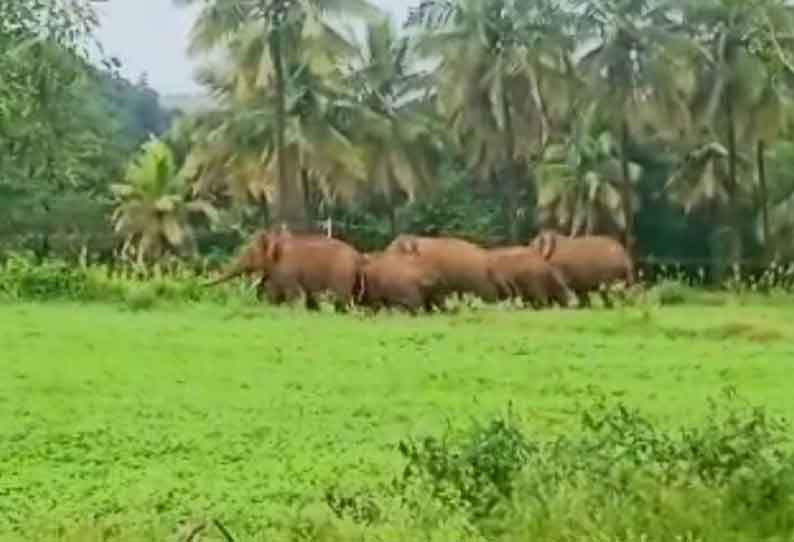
[[590, 261], [465, 266]]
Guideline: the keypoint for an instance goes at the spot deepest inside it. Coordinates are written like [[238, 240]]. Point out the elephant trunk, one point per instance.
[[229, 275], [631, 272]]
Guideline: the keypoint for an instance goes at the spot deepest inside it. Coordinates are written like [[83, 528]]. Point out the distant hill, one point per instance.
[[189, 103]]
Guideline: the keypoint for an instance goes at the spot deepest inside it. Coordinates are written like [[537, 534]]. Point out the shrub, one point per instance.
[[23, 280], [618, 477], [480, 471]]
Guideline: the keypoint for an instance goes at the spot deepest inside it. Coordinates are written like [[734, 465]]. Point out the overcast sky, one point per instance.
[[151, 36]]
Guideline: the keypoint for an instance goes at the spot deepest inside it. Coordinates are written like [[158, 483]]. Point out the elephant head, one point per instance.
[[259, 256], [407, 244]]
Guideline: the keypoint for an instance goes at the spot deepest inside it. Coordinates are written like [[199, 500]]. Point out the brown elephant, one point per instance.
[[529, 276], [291, 264], [588, 263], [394, 279], [463, 266]]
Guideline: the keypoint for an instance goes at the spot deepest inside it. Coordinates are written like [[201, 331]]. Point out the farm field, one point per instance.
[[138, 421]]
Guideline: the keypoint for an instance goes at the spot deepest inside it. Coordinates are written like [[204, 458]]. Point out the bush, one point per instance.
[[619, 477], [479, 472], [53, 280], [20, 279]]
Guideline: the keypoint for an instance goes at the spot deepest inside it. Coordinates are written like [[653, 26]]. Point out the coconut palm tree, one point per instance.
[[236, 150], [580, 182], [501, 76], [739, 94], [400, 138], [636, 70], [775, 225], [151, 210], [700, 183], [291, 35]]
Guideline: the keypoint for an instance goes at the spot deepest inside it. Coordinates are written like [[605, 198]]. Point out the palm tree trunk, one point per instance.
[[764, 194], [291, 209], [308, 197], [732, 218], [510, 187], [732, 185], [628, 211]]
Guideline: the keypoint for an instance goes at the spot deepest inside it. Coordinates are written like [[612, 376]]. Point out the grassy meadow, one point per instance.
[[121, 424]]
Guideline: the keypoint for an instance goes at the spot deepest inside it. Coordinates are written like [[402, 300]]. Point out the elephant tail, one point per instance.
[[359, 286], [631, 276]]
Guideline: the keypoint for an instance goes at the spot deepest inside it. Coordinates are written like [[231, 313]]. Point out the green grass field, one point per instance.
[[139, 421]]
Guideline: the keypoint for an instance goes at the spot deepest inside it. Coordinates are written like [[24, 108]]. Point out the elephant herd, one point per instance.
[[418, 272]]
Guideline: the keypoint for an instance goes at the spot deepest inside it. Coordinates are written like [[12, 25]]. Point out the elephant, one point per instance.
[[587, 263], [463, 266], [394, 279], [529, 276], [291, 264]]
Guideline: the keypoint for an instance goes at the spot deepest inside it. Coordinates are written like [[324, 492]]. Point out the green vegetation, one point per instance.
[[134, 402], [482, 119], [123, 425], [67, 129]]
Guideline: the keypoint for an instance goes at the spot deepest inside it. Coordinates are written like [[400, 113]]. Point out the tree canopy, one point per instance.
[[654, 121]]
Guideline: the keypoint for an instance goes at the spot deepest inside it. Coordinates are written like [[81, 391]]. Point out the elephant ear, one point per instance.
[[274, 249], [547, 243], [410, 246]]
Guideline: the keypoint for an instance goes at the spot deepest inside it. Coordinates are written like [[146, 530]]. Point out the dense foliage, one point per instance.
[[664, 123], [67, 129]]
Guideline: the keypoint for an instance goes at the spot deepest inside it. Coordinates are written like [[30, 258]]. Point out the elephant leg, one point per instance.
[[347, 292], [583, 297], [342, 306], [275, 296], [529, 299], [261, 289], [415, 300], [434, 300], [505, 289], [561, 299], [433, 303], [274, 291], [311, 303], [532, 295], [409, 307], [543, 298]]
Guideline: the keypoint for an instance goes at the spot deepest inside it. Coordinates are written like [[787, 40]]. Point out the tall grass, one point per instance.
[[23, 280]]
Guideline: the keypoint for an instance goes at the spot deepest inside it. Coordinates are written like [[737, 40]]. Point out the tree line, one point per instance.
[[69, 123], [663, 123]]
